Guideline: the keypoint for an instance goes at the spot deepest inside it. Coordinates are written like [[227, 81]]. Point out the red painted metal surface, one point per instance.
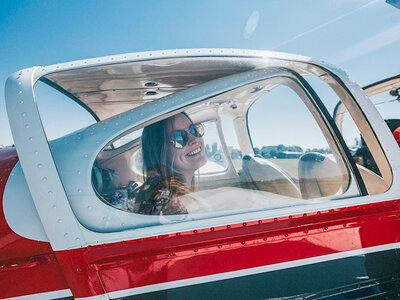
[[26, 266], [184, 255]]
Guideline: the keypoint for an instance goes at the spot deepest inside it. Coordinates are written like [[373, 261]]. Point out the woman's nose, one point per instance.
[[192, 139]]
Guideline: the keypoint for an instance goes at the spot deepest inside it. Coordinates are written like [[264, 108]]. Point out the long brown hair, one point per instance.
[[155, 141], [158, 168]]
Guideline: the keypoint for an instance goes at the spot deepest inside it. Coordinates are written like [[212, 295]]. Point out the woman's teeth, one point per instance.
[[194, 152]]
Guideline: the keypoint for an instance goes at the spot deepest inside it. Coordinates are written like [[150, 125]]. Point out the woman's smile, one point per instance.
[[192, 156], [194, 152]]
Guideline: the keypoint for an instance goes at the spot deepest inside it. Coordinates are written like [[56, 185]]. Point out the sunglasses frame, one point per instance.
[[193, 130]]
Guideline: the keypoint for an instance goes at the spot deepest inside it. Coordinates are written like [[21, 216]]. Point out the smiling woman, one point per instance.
[[173, 149]]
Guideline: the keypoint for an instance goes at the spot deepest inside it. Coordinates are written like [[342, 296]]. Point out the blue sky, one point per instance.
[[360, 36]]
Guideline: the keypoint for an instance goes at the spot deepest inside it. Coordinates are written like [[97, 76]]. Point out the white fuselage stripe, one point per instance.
[[247, 272], [44, 296]]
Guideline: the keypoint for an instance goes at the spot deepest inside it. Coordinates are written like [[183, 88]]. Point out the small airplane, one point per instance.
[[279, 207]]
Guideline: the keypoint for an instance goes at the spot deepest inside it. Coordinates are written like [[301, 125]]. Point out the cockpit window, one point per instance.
[[290, 149], [366, 153], [255, 147]]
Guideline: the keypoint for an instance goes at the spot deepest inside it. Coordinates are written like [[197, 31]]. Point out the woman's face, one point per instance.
[[192, 156]]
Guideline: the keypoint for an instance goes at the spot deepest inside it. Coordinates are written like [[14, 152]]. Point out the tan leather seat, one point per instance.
[[264, 175], [320, 176]]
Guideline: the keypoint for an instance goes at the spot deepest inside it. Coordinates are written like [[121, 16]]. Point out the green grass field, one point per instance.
[[289, 164]]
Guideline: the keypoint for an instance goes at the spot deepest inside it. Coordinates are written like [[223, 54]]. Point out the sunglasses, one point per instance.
[[180, 138]]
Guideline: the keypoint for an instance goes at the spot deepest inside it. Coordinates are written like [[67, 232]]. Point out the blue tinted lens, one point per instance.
[[180, 139], [197, 129]]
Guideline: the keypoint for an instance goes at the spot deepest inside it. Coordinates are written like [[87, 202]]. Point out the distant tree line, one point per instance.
[[8, 146], [282, 151], [276, 151]]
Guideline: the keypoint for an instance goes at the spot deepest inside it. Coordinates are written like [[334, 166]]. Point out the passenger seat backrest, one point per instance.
[[267, 176], [103, 180], [319, 176]]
